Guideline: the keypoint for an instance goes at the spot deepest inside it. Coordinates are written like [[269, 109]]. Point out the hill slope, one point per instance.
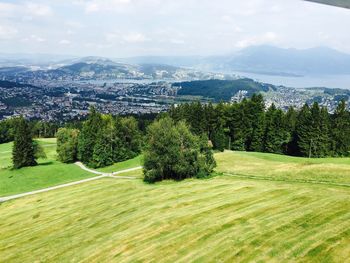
[[221, 90], [226, 219]]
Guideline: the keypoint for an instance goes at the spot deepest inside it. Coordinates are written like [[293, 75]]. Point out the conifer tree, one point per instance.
[[102, 152], [239, 126], [88, 136], [290, 120], [23, 153], [304, 134], [341, 131], [324, 143], [257, 118], [210, 121]]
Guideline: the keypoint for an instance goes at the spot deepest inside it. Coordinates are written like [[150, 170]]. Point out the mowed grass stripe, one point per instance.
[[285, 168], [222, 218]]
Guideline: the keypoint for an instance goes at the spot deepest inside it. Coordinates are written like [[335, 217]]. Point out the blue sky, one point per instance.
[[122, 28]]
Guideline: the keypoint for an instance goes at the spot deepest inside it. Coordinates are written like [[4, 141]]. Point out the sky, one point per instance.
[[126, 28]]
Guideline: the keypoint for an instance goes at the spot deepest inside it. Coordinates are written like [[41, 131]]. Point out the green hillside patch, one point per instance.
[[286, 168], [220, 90], [223, 219], [135, 162], [48, 173]]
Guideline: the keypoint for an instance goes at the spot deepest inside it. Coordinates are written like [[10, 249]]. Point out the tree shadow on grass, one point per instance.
[[45, 163]]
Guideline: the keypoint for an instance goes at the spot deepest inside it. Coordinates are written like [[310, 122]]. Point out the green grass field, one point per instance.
[[285, 168], [48, 173], [137, 161], [221, 219]]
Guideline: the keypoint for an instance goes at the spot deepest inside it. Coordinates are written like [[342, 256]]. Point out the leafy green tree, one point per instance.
[[173, 152], [67, 145], [7, 130], [23, 153]]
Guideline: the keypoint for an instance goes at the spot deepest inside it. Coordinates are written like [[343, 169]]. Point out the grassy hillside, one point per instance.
[[220, 90], [285, 168], [222, 219], [137, 161], [49, 172]]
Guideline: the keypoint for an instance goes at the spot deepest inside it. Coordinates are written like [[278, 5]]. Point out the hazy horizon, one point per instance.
[[128, 28]]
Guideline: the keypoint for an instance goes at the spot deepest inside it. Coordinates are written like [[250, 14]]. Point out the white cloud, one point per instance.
[[38, 9], [266, 38], [7, 32], [25, 11], [93, 6], [74, 24], [7, 9], [161, 27], [135, 38], [64, 42], [37, 38], [177, 41]]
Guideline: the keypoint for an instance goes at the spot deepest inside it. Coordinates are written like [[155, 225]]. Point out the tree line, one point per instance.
[[249, 126], [178, 144], [38, 129], [101, 141]]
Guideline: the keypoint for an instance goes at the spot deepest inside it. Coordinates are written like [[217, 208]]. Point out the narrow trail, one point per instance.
[[82, 166]]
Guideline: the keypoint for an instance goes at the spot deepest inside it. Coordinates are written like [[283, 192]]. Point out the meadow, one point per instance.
[[285, 168], [49, 171], [255, 211], [223, 219]]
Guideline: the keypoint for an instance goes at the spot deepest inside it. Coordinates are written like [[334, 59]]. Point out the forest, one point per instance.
[[249, 126]]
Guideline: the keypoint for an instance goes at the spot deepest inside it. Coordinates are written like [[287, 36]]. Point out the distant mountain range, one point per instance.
[[97, 68], [267, 60]]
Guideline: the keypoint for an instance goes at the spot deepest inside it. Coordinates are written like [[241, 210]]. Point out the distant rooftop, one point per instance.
[[339, 3]]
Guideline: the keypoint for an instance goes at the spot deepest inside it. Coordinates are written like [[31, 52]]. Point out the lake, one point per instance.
[[329, 81]]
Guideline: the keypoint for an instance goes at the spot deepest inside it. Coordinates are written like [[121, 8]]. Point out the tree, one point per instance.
[[276, 135], [304, 133], [7, 130], [67, 145], [324, 144], [290, 121], [103, 152], [23, 153], [340, 135], [206, 159], [173, 152], [88, 135], [219, 139], [256, 114], [38, 151]]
